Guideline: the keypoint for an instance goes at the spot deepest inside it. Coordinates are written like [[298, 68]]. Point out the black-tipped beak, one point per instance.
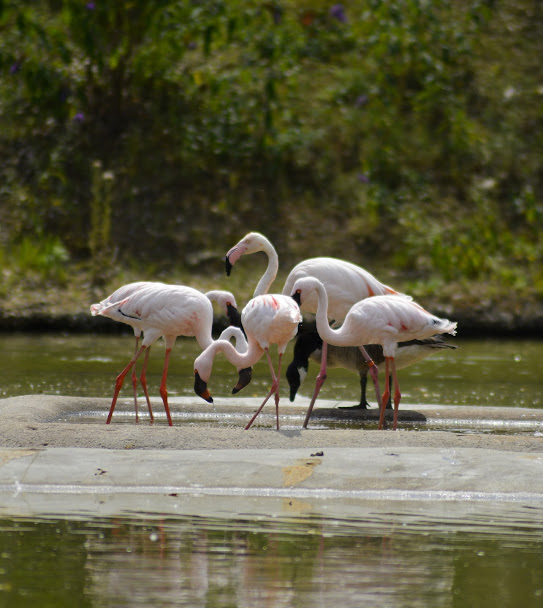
[[200, 388], [233, 316], [228, 266], [296, 297], [245, 376]]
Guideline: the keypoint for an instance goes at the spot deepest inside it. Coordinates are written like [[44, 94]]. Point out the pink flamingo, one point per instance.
[[345, 284], [266, 319], [384, 320], [157, 309]]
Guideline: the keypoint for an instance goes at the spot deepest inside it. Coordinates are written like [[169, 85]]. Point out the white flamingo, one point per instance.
[[345, 284], [157, 309], [384, 320], [117, 296], [309, 346], [266, 319]]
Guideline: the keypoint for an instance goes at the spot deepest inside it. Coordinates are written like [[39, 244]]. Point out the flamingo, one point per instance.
[[309, 345], [266, 319], [118, 295], [384, 320], [164, 310], [344, 282]]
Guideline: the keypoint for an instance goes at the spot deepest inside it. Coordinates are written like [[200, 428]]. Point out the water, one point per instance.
[[406, 554], [480, 372], [391, 560]]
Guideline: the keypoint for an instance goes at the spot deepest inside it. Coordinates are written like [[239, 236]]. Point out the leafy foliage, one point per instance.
[[403, 130]]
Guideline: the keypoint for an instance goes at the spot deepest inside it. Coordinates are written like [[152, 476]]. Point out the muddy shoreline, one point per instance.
[[47, 421]]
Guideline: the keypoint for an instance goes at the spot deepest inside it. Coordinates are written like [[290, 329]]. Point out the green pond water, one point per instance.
[[404, 554], [503, 372]]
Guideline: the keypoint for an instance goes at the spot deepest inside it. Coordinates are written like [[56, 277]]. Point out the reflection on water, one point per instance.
[[493, 557], [480, 372], [315, 563]]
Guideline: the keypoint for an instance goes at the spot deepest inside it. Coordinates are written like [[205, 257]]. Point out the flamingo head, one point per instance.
[[200, 388], [303, 287], [250, 243], [245, 376]]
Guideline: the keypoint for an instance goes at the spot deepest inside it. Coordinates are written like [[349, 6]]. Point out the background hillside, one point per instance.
[[141, 140]]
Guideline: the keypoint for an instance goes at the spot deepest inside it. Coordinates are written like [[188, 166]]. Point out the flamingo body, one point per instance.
[[384, 320], [309, 346], [267, 319], [157, 309], [345, 284], [271, 319]]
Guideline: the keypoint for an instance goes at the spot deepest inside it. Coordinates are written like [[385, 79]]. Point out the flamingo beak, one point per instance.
[[233, 316], [227, 265], [200, 388], [245, 376], [296, 296]]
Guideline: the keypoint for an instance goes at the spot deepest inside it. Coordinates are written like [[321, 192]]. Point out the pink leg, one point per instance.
[[277, 390], [163, 391], [143, 380], [374, 371], [321, 377], [120, 380], [274, 387], [135, 381], [397, 394], [386, 394]]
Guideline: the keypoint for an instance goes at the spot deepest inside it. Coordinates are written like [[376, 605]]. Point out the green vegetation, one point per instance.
[[141, 138]]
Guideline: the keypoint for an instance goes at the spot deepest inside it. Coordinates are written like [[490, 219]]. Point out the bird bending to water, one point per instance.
[[157, 309], [345, 283], [266, 319], [309, 346], [384, 320], [224, 298]]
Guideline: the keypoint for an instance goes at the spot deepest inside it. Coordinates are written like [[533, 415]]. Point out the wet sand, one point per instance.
[[44, 421]]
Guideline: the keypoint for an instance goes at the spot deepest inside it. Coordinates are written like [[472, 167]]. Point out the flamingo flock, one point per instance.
[[360, 322]]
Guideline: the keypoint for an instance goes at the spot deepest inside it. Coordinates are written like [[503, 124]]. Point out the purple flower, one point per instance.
[[338, 12], [363, 179], [361, 100], [91, 6], [79, 117], [15, 67]]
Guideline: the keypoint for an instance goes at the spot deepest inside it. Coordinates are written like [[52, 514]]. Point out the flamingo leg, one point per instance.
[[163, 391], [277, 390], [321, 377], [386, 394], [273, 389], [374, 371], [143, 380], [397, 394], [135, 381], [119, 382]]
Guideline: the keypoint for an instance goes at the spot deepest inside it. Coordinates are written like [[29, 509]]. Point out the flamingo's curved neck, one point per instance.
[[327, 334], [240, 360], [271, 271]]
